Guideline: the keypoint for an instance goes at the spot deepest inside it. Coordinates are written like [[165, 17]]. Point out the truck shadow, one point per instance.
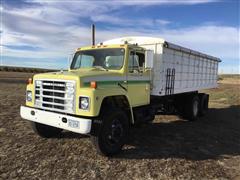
[[72, 135], [215, 135]]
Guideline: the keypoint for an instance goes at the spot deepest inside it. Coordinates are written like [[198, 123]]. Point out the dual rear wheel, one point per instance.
[[195, 105]]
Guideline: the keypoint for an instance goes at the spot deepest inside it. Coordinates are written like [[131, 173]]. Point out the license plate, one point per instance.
[[73, 123]]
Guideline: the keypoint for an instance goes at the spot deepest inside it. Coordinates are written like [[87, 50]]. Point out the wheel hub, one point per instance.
[[195, 108], [116, 132]]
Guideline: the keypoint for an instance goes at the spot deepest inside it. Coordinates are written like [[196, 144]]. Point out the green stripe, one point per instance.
[[87, 84], [137, 82]]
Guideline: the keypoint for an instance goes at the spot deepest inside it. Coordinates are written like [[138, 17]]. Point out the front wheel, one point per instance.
[[113, 133]]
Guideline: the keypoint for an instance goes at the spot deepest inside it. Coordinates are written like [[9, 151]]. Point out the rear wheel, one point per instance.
[[45, 131], [203, 104], [113, 133], [192, 108]]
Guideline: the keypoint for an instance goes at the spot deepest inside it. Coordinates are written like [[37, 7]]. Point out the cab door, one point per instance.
[[138, 79]]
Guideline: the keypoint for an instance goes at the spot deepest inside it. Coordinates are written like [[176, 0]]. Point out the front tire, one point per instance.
[[45, 131], [113, 133]]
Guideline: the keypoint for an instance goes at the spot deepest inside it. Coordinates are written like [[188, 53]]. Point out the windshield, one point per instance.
[[103, 58]]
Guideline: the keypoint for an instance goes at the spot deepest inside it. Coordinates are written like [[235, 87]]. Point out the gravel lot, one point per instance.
[[169, 148]]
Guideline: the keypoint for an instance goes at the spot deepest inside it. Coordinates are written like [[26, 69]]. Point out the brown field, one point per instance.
[[169, 148], [23, 69]]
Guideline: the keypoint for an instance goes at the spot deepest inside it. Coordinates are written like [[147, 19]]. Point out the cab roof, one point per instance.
[[102, 46]]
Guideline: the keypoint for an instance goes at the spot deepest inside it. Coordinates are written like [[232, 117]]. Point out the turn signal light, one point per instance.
[[93, 84], [30, 81]]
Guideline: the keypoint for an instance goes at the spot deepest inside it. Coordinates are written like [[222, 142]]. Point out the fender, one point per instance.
[[126, 104]]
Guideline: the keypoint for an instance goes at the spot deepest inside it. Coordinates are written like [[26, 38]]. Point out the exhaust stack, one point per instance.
[[93, 34]]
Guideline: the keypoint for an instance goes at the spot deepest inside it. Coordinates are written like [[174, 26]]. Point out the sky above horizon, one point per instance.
[[43, 33]]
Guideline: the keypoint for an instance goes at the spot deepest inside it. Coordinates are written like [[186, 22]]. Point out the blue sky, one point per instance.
[[41, 33]]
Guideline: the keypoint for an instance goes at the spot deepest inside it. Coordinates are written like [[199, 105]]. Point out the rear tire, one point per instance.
[[45, 130], [191, 109], [203, 104], [113, 133]]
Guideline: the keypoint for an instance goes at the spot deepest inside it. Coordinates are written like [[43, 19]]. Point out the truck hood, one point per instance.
[[81, 75]]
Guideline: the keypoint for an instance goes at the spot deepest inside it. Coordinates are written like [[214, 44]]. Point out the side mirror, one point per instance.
[[149, 59]]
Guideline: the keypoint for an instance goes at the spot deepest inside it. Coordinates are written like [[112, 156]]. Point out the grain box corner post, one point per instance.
[[117, 84]]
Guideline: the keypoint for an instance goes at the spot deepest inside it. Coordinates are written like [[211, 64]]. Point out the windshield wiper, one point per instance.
[[100, 67]]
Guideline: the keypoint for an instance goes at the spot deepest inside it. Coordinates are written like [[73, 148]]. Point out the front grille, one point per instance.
[[55, 95]]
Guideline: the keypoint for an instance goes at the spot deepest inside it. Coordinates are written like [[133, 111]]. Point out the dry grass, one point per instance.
[[170, 148], [23, 69]]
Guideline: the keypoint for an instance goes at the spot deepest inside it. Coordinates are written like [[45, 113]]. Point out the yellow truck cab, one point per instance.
[[108, 88]]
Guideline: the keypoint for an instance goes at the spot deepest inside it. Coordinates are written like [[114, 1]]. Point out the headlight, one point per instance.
[[38, 83], [69, 88], [29, 96], [84, 103], [69, 85]]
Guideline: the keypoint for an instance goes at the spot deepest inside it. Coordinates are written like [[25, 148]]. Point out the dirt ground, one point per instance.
[[170, 148]]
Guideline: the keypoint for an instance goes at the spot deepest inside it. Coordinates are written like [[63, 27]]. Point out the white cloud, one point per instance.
[[219, 41], [114, 3], [129, 22], [57, 29], [163, 2], [99, 11]]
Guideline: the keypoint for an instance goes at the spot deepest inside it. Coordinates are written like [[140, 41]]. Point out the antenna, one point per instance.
[[93, 34]]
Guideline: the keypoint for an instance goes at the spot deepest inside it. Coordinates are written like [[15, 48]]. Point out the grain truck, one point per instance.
[[114, 85]]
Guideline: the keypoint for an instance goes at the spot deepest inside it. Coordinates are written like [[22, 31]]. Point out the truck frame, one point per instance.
[[116, 84]]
